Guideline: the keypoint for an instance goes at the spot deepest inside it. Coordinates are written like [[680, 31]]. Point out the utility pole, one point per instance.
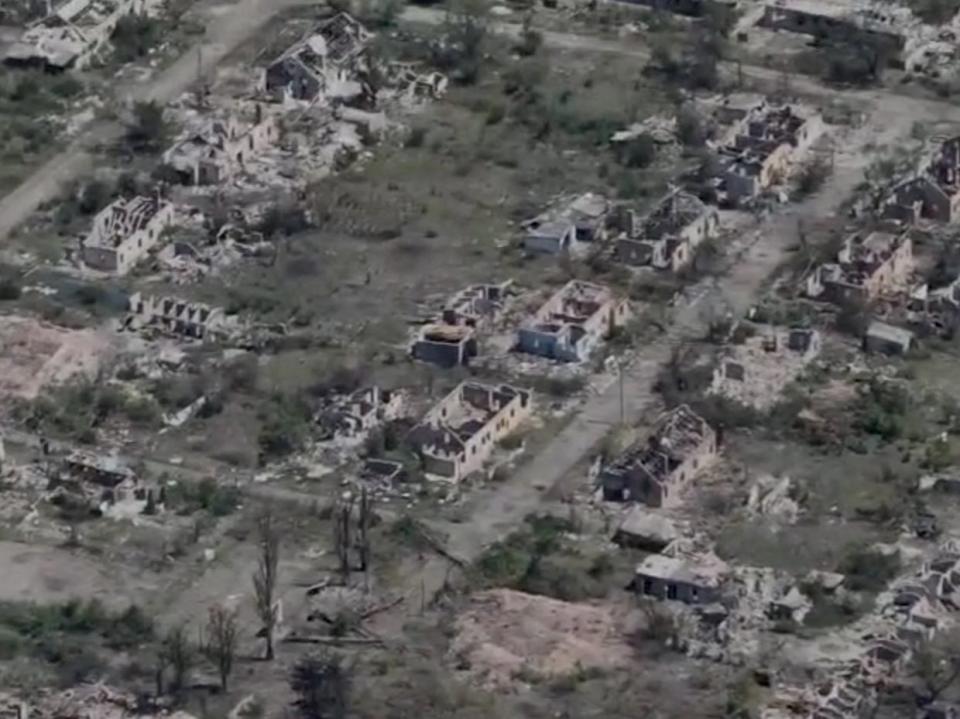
[[623, 414]]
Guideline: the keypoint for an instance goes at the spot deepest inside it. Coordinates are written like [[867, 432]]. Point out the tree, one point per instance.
[[180, 655], [322, 685], [466, 28], [639, 151], [148, 130], [219, 641], [265, 578]]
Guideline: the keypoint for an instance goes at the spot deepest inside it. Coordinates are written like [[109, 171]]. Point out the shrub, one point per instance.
[[638, 152], [868, 569], [134, 36], [10, 289], [147, 130]]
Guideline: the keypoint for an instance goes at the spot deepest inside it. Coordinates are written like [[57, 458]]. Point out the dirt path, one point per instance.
[[225, 31]]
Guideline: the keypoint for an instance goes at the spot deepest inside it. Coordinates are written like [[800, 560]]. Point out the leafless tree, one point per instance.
[[180, 655], [219, 641], [265, 578]]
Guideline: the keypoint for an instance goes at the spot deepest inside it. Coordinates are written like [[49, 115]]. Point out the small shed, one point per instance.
[[887, 339]]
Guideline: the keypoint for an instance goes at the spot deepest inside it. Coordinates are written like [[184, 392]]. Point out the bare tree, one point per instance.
[[322, 685], [181, 656], [219, 641], [265, 578]]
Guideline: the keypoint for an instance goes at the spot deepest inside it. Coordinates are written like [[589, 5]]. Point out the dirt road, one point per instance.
[[227, 27]]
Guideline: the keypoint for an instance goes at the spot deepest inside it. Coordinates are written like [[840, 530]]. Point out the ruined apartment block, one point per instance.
[[868, 266], [668, 237], [570, 325], [756, 371], [188, 320], [934, 193], [759, 151], [216, 150], [450, 339], [124, 232], [326, 63], [72, 35], [656, 472], [459, 434], [352, 417], [570, 225]]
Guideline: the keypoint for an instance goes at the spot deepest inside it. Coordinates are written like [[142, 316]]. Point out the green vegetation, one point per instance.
[[882, 409], [147, 130], [868, 570], [77, 410], [537, 559], [285, 423], [207, 495], [135, 36], [29, 105], [71, 635]]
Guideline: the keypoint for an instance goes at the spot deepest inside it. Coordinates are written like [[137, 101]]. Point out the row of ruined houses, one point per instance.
[[568, 327], [759, 150], [326, 65]]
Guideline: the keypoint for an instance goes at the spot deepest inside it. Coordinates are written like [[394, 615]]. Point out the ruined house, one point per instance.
[[450, 339], [326, 63], [755, 371], [411, 81], [188, 320], [570, 325], [381, 471], [868, 266], [690, 580], [691, 8], [71, 35], [124, 232], [656, 471], [570, 225], [215, 150], [669, 235], [887, 339], [934, 193], [459, 434], [356, 414], [759, 150], [880, 24]]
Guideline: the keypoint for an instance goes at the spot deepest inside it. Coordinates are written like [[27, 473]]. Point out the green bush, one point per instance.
[[868, 570], [207, 495], [134, 36]]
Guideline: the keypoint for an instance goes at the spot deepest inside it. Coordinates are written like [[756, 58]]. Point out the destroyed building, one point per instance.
[[71, 35], [570, 325], [459, 434], [214, 150], [412, 82], [685, 579], [124, 232], [755, 371], [569, 225], [935, 310], [887, 339], [450, 339], [934, 193], [356, 414], [883, 25], [669, 235], [188, 320], [691, 8], [759, 150], [868, 266], [656, 471], [326, 63]]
